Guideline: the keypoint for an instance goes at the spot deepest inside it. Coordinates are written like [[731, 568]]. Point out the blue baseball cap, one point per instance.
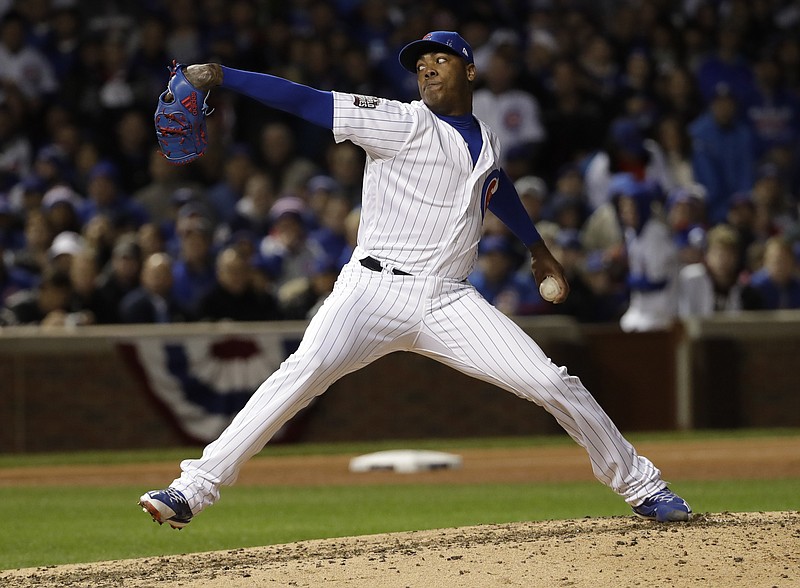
[[447, 41], [626, 135]]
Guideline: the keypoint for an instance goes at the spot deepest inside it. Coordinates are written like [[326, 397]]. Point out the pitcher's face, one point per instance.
[[445, 83]]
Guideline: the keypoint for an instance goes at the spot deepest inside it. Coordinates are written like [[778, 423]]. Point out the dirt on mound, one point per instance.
[[728, 549]]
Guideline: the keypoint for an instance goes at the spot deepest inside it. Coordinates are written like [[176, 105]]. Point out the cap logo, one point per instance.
[[428, 43]]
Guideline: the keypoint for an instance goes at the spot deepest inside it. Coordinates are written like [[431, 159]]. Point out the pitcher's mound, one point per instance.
[[728, 549]]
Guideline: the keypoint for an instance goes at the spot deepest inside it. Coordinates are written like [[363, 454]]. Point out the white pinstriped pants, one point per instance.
[[370, 314]]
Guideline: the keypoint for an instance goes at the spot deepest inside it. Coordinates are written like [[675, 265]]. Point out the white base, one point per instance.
[[405, 461]]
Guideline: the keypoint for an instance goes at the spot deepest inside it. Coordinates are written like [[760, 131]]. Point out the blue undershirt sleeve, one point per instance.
[[315, 106], [506, 205]]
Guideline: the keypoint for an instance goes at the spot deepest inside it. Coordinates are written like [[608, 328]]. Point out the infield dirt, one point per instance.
[[715, 549]]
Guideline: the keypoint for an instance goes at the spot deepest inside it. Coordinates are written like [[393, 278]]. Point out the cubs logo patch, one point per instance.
[[366, 101], [489, 189], [512, 120]]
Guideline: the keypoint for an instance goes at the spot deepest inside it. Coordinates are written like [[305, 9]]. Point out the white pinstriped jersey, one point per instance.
[[422, 198]]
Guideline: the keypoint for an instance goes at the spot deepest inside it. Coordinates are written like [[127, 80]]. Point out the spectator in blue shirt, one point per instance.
[[331, 236], [193, 273], [225, 194], [722, 153], [497, 279], [728, 66], [106, 197], [773, 111]]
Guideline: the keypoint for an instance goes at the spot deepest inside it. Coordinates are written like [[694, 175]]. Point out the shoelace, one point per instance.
[[176, 496], [661, 496]]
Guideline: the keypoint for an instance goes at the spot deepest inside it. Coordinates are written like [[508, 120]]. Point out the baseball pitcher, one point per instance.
[[432, 171]]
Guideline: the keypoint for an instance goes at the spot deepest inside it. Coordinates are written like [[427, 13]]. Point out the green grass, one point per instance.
[[48, 526], [54, 525], [176, 454]]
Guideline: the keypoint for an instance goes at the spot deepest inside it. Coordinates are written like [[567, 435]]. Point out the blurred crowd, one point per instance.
[[655, 144]]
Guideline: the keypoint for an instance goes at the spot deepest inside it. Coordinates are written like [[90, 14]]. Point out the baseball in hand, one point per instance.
[[549, 289]]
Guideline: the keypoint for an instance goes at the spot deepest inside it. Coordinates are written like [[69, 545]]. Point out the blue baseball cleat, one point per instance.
[[664, 506], [167, 506]]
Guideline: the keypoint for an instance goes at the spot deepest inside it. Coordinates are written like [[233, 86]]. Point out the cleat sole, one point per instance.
[[679, 518], [152, 511]]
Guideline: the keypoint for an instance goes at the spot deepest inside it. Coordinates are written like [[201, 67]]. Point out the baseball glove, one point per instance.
[[180, 118]]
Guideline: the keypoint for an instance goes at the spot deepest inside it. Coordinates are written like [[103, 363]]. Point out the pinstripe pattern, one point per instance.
[[370, 314], [470, 335], [421, 212], [421, 197]]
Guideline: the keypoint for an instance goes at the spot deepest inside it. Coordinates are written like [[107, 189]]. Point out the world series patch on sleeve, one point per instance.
[[180, 118]]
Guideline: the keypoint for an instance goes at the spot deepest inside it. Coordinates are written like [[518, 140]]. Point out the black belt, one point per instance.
[[373, 264]]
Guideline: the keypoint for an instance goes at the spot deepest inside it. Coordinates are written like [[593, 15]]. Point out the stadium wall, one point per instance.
[[73, 390]]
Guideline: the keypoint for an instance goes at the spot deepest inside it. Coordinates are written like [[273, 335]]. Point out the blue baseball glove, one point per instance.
[[180, 118]]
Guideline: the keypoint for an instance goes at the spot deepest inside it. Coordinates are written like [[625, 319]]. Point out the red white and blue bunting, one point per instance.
[[203, 381]]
